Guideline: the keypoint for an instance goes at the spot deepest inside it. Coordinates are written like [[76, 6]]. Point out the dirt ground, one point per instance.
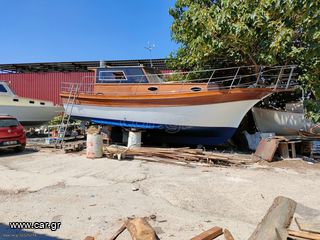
[[93, 197]]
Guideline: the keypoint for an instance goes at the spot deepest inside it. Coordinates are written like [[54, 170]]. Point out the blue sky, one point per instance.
[[80, 30]]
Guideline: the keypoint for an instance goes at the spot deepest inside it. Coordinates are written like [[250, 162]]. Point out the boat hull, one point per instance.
[[280, 122], [26, 114], [196, 124]]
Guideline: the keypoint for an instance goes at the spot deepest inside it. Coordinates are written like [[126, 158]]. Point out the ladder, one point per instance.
[[73, 93]]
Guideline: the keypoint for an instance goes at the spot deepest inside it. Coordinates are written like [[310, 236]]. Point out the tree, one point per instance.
[[257, 32]]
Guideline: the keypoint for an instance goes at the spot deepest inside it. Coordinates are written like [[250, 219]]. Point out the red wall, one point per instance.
[[45, 86]]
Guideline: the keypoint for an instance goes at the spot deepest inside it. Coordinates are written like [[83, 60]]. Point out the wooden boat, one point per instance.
[[205, 110], [30, 112]]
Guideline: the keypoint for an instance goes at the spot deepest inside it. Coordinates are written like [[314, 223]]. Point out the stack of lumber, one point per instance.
[[185, 155]]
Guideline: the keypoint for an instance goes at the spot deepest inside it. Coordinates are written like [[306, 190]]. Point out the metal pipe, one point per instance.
[[102, 64]]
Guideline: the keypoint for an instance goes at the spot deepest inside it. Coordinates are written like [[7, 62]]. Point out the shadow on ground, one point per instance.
[[10, 152]]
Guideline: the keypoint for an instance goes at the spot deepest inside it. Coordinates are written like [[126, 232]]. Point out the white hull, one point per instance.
[[31, 115], [211, 115], [280, 122], [28, 111]]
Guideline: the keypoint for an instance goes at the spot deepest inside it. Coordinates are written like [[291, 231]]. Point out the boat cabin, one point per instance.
[[5, 89], [133, 80], [129, 74]]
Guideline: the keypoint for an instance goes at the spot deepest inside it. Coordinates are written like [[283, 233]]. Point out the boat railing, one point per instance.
[[275, 77]]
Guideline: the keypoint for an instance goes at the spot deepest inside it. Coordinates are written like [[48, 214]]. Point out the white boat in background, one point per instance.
[[281, 122], [30, 112]]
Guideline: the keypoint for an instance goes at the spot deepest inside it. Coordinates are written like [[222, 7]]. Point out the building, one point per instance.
[[43, 80]]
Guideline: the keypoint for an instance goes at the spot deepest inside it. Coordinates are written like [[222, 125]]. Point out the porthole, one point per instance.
[[42, 103], [16, 100], [195, 89], [32, 102], [152, 89]]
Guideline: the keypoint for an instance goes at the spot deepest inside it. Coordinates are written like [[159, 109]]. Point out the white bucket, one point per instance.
[[134, 139], [94, 146]]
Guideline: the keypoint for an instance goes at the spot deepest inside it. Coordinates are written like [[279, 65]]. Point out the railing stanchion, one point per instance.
[[213, 72], [289, 79], [259, 75], [234, 78], [279, 78], [183, 82]]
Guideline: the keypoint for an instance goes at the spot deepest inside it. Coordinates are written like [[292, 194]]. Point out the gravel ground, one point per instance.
[[93, 197]]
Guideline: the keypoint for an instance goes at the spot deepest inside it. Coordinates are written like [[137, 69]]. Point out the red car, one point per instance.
[[12, 134]]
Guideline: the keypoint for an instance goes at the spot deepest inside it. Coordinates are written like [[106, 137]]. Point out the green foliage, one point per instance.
[[257, 32], [313, 110], [56, 120]]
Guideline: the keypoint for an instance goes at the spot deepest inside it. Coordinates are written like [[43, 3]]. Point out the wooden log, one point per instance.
[[120, 230], [89, 238], [308, 225], [227, 235], [278, 217], [210, 234], [140, 229], [303, 234]]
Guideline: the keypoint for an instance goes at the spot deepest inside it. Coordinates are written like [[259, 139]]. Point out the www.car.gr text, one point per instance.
[[53, 226]]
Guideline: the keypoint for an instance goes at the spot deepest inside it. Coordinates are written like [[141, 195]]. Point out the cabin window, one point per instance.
[[3, 89], [42, 103], [31, 102], [16, 100], [111, 75]]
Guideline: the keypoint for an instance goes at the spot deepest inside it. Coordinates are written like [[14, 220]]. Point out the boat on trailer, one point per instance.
[[202, 107]]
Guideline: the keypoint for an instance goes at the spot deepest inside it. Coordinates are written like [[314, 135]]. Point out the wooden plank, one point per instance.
[[120, 230], [293, 150], [266, 149], [210, 234], [284, 149], [308, 225], [303, 234], [227, 235], [278, 217]]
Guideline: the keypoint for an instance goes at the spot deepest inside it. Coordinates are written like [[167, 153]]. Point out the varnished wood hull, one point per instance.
[[171, 100]]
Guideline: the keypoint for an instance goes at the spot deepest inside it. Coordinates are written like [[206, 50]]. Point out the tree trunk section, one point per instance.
[[140, 229], [279, 217]]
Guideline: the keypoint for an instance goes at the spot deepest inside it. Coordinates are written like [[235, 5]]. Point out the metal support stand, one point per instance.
[[134, 138]]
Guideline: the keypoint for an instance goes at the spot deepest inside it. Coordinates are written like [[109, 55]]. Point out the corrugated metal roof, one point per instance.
[[81, 66]]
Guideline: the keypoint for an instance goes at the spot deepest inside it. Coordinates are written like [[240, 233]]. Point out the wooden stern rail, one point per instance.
[[209, 234]]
